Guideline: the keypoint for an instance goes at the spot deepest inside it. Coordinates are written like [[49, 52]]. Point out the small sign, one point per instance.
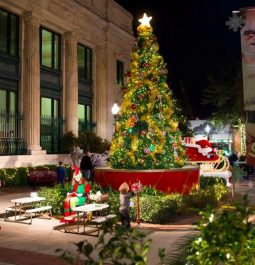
[[136, 187]]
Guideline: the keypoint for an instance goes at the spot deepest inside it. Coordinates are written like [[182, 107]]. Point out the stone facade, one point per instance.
[[103, 26]]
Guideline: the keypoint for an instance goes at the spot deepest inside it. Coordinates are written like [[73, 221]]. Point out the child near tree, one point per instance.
[[124, 209]]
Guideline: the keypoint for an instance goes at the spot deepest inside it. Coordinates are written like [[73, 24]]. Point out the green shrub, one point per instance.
[[55, 197], [151, 191], [160, 209], [22, 176], [114, 202], [14, 176], [125, 247], [155, 206], [200, 199], [68, 142], [210, 181], [94, 143], [226, 237]]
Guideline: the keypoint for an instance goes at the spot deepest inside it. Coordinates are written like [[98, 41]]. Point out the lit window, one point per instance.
[[8, 33], [50, 49], [84, 55], [120, 73]]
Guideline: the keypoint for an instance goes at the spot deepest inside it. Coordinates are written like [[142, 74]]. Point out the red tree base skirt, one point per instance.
[[180, 180]]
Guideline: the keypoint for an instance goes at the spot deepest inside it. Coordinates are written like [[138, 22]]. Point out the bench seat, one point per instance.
[[39, 210], [18, 209]]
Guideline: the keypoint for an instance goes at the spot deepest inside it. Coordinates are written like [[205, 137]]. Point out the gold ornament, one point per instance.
[[134, 143]]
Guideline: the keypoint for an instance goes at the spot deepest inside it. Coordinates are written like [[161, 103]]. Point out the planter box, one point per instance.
[[180, 180]]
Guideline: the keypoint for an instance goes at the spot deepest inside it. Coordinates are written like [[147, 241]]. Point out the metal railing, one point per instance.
[[86, 126], [11, 139], [51, 133]]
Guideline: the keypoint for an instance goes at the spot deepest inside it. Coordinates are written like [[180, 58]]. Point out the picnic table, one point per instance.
[[84, 218], [24, 208]]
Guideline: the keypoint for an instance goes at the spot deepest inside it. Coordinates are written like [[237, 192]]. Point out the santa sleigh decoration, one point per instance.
[[202, 152]]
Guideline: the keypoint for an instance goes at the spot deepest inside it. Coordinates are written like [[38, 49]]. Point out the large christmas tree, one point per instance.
[[146, 130]]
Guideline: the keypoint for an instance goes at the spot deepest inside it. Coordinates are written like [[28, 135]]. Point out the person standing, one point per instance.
[[86, 166], [61, 173], [124, 209]]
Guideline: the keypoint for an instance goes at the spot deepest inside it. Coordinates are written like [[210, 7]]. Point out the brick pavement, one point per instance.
[[21, 257]]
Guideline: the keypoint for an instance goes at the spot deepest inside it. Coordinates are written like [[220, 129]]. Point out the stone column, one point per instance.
[[100, 91], [31, 83], [71, 83]]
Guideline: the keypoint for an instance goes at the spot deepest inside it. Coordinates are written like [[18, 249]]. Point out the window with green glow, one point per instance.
[[84, 58], [49, 107], [120, 73], [84, 113], [8, 33], [50, 49], [8, 101]]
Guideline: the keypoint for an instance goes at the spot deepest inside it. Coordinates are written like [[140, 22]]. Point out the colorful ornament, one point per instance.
[[160, 115], [133, 106], [143, 132], [141, 161], [152, 147], [146, 151]]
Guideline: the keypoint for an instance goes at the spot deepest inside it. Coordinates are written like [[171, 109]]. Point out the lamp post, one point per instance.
[[207, 129], [115, 110]]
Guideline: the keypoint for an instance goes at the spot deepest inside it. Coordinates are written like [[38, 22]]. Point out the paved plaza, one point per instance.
[[36, 244]]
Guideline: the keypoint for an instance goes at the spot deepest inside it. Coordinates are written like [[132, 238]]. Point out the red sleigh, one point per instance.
[[203, 153]]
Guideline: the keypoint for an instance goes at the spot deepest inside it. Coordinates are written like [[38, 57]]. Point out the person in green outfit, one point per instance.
[[78, 195]]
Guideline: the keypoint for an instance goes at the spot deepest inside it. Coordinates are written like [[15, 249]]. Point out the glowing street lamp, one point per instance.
[[115, 110], [207, 129]]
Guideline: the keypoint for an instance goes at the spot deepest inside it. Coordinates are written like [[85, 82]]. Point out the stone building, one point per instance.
[[61, 66]]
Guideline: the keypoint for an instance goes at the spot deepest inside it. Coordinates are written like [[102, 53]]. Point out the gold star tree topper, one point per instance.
[[145, 21]]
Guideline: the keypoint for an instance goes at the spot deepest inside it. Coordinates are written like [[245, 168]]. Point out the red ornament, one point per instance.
[[133, 106], [128, 74], [133, 119], [143, 132], [154, 38]]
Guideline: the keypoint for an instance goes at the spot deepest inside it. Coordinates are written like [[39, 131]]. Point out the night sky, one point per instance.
[[193, 40]]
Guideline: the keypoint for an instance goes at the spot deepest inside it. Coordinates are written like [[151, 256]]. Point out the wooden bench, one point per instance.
[[42, 177], [39, 210]]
